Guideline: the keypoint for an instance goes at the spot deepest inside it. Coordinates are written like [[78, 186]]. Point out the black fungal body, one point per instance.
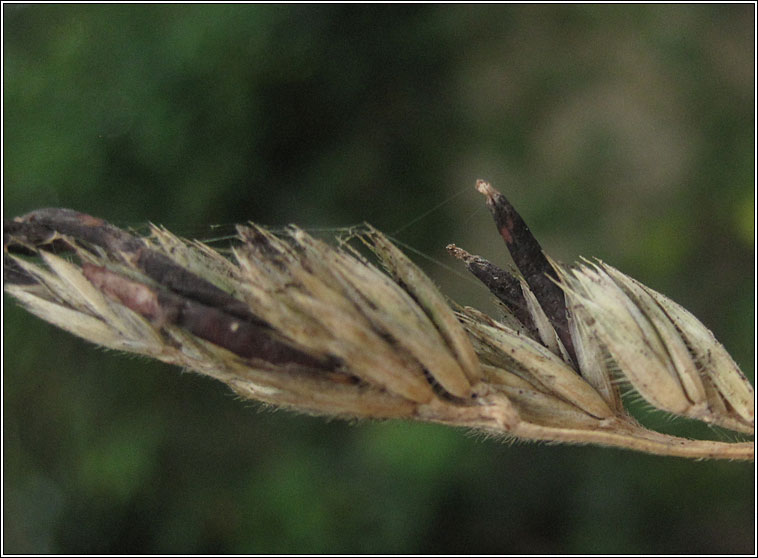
[[531, 261]]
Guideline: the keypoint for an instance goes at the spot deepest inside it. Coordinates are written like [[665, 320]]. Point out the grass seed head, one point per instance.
[[296, 323]]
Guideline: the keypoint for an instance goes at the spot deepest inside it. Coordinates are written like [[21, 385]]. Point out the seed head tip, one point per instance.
[[458, 253], [485, 188]]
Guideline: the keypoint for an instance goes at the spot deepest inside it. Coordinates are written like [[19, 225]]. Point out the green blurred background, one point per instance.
[[622, 132]]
